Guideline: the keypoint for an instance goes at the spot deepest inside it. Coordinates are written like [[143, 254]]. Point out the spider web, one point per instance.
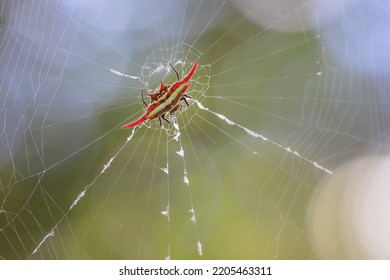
[[286, 135]]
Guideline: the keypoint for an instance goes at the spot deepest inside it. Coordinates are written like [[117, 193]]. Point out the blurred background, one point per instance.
[[311, 76]]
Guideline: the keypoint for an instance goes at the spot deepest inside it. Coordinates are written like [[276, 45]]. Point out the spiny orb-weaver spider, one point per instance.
[[165, 99]]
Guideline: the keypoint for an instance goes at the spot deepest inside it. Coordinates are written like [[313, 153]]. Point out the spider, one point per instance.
[[167, 99]]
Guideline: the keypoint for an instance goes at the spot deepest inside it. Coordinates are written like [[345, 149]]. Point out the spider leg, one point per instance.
[[165, 119], [142, 96], [185, 100], [177, 74], [159, 121], [188, 96]]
